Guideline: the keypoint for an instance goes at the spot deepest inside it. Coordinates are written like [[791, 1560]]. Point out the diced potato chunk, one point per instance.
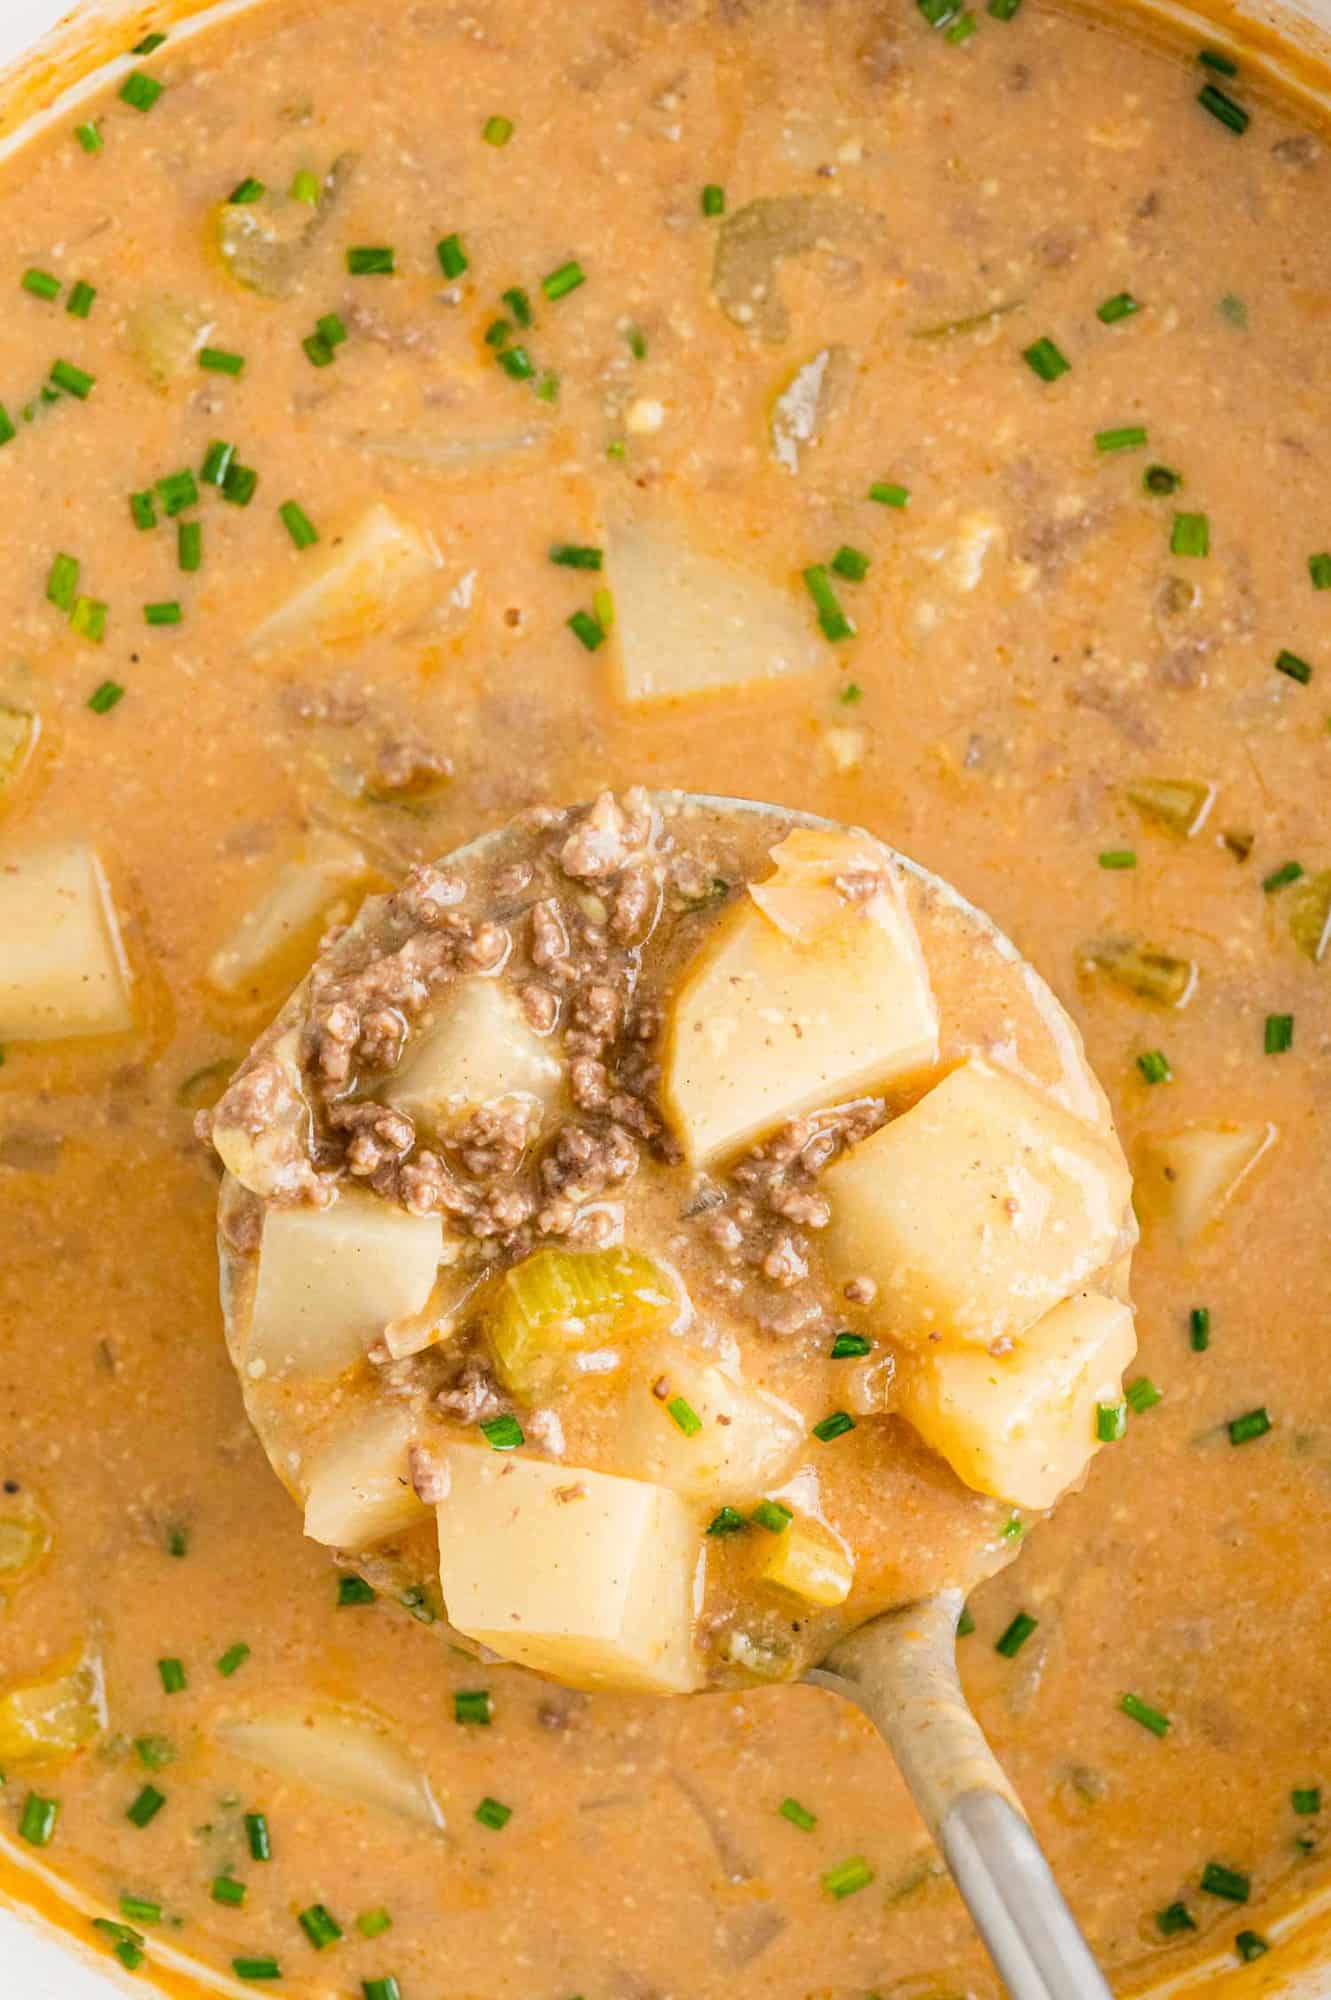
[[689, 623], [63, 970], [1022, 1425], [557, 1303], [274, 941], [41, 1720], [977, 1210], [360, 1489], [381, 572], [581, 1575], [809, 1561], [332, 1751], [478, 1051], [1191, 1176], [744, 1445], [330, 1279], [803, 997]]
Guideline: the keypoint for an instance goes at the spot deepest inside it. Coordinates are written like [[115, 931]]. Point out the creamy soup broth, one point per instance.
[[1036, 634]]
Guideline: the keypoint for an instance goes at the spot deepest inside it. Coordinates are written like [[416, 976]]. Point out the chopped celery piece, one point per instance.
[[163, 336], [1176, 803], [810, 1562], [41, 1720], [1310, 915], [18, 736], [559, 1302], [751, 243], [1150, 974], [266, 244]]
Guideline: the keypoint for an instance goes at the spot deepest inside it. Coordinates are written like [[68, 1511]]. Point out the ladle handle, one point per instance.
[[901, 1671]]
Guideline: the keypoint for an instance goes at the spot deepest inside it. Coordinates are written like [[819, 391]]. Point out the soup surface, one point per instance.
[[929, 426]]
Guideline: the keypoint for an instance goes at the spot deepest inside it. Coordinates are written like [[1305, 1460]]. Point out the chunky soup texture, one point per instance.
[[421, 412]]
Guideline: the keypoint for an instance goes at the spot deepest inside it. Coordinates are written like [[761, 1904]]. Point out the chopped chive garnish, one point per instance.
[[317, 350], [177, 1540], [1280, 878], [831, 618], [773, 1516], [256, 1968], [851, 1346], [565, 278], [220, 361], [104, 698], [603, 606], [473, 1706], [331, 329], [576, 555], [1142, 1395], [1121, 306], [938, 12], [1177, 1917], [172, 1675], [88, 619], [965, 1623], [319, 1926], [37, 1820], [1306, 1799], [74, 381], [517, 364], [1111, 1423], [306, 187], [1154, 1066], [149, 45], [1161, 479], [1222, 106], [1252, 1424], [226, 1889], [1013, 1528], [713, 199], [89, 137], [155, 1752], [497, 131], [298, 524], [834, 1426], [178, 491], [354, 1590], [371, 260], [62, 582], [126, 1944], [637, 341], [257, 1834], [847, 1877], [1217, 1880], [217, 461], [798, 1815], [233, 1659], [453, 259], [1141, 1711], [189, 545], [889, 495], [1278, 1034], [166, 613], [381, 1989], [140, 91], [1191, 535], [586, 628], [1004, 10], [1199, 1329], [1290, 664], [82, 297], [246, 191], [961, 29], [1046, 359], [1250, 1945], [1117, 857], [493, 1813], [1127, 437], [239, 484], [851, 563], [145, 1807], [684, 1416], [373, 1923], [503, 1433], [138, 1910], [1223, 65], [1018, 1632], [41, 284], [1319, 570], [7, 430], [497, 332], [519, 304], [726, 1522]]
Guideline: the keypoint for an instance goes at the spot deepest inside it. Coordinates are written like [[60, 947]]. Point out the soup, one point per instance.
[[913, 419]]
